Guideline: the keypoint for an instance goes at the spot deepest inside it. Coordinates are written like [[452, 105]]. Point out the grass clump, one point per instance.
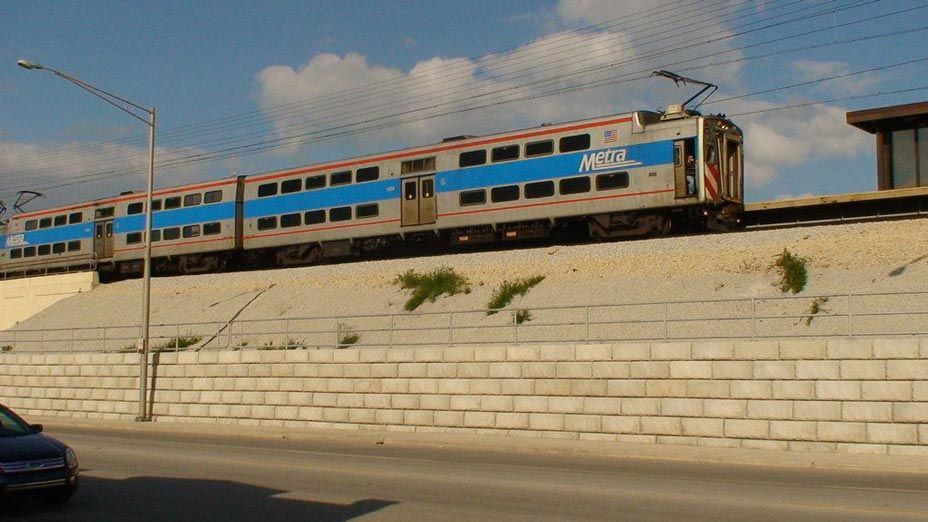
[[431, 285], [793, 273], [178, 343], [346, 336], [6, 348], [507, 291], [522, 315], [814, 309]]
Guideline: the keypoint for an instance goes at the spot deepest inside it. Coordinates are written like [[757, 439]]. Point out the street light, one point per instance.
[[127, 107]]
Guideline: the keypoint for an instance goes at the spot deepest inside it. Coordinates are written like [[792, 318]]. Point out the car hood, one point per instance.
[[29, 447]]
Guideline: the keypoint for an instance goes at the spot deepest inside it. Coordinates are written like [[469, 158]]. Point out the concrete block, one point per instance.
[[774, 369], [401, 354], [682, 407], [751, 389], [910, 412], [453, 386], [413, 370], [506, 370], [552, 387], [602, 405], [661, 426], [803, 349], [631, 352], [479, 419], [792, 430], [448, 418], [335, 415], [583, 423], [441, 370], [565, 404], [377, 400], [394, 385], [757, 350], [747, 429], [522, 353], [863, 370], [497, 403], [919, 390], [850, 349], [769, 445], [490, 353], [702, 427], [381, 370], [862, 449], [717, 350], [459, 354], [355, 370], [923, 434], [666, 388], [546, 421], [594, 352], [362, 416], [587, 387], [725, 408], [770, 409], [867, 411], [818, 369], [626, 388], [332, 370], [892, 433], [641, 406], [473, 370], [886, 391], [837, 390], [691, 369], [467, 402], [349, 400], [373, 355], [484, 386], [365, 385], [620, 424], [574, 369], [557, 352], [896, 348], [389, 417], [915, 451], [428, 353], [732, 369], [418, 418], [907, 369], [671, 351], [636, 439], [841, 431], [794, 390], [404, 402], [512, 420], [817, 410], [649, 369], [539, 369], [530, 404], [295, 398], [611, 369]]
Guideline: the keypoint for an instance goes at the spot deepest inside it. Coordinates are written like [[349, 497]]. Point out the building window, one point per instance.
[[315, 182], [61, 220], [76, 217], [340, 214], [74, 246], [213, 196], [367, 174], [418, 165], [613, 180], [472, 197], [268, 189], [539, 148], [192, 231], [572, 143], [291, 185], [170, 203], [340, 178], [540, 189], [290, 220], [910, 157], [267, 223], [314, 217], [134, 208], [507, 193], [505, 153], [472, 157], [367, 211], [170, 233], [574, 185], [133, 238], [192, 200], [211, 229]]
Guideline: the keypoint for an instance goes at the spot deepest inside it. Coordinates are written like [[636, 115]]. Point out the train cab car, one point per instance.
[[48, 241]]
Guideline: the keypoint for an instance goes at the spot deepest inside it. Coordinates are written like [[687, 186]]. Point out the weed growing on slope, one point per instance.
[[6, 348], [522, 315], [504, 295], [178, 343], [346, 336], [814, 309], [793, 273], [431, 285]]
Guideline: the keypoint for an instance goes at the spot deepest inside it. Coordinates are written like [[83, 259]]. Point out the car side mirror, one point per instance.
[[37, 427]]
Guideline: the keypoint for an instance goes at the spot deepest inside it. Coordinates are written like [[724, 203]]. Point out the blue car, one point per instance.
[[30, 461]]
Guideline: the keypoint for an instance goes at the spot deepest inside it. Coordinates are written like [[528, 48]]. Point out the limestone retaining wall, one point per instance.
[[862, 396]]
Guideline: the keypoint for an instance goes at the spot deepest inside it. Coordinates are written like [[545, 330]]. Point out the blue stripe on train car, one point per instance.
[[324, 198], [176, 217], [552, 167], [49, 235]]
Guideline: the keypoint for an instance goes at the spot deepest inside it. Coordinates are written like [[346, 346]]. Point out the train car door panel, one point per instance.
[[419, 206], [103, 239]]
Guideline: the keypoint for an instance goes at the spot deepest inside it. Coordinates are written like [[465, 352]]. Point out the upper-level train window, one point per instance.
[[45, 222], [539, 148], [367, 211], [61, 220], [472, 157], [32, 224], [268, 189], [505, 153], [314, 217], [170, 203], [267, 223], [76, 217], [134, 208], [472, 197], [133, 238], [155, 235], [29, 251], [340, 214], [507, 193], [291, 185], [612, 180], [170, 233], [315, 182], [367, 174], [102, 213], [192, 200], [211, 229], [290, 220], [418, 165], [58, 248], [44, 250], [574, 185], [74, 246], [213, 196], [339, 178], [539, 189], [16, 253], [191, 231], [572, 143]]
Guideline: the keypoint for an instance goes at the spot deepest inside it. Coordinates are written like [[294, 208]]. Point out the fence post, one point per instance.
[[849, 317], [450, 328], [287, 328], [587, 338], [665, 321], [515, 328], [177, 337], [392, 326], [753, 319]]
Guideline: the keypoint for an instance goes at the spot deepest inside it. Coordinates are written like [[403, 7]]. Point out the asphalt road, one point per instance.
[[158, 477]]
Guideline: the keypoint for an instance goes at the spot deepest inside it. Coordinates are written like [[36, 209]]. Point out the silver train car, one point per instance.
[[623, 175]]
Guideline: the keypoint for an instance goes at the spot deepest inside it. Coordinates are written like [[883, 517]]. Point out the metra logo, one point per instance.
[[16, 240], [606, 159]]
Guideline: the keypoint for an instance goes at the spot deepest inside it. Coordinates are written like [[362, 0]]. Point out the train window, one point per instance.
[[472, 157], [340, 214], [211, 229], [58, 248], [32, 224], [505, 153], [29, 251], [267, 223], [507, 193], [74, 246], [134, 208], [191, 231], [574, 185], [367, 174], [613, 180], [76, 217], [539, 189], [156, 205], [418, 165], [155, 235], [290, 220], [268, 189], [192, 200], [472, 197], [315, 182], [61, 220], [539, 148], [16, 253], [428, 188], [170, 233], [291, 185], [367, 211], [213, 196], [44, 250], [572, 143], [170, 203], [102, 213], [314, 217], [340, 178], [45, 222], [133, 238]]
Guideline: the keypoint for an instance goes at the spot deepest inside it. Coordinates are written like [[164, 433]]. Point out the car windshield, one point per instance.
[[10, 426]]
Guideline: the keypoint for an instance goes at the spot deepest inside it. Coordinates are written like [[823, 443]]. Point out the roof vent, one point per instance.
[[457, 138]]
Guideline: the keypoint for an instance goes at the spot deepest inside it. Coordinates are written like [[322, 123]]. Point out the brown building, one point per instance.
[[901, 143]]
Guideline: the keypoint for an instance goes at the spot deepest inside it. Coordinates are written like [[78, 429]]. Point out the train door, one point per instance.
[[419, 205], [103, 239], [684, 168], [733, 155]]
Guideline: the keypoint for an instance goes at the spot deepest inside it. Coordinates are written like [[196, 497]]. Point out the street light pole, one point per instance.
[[127, 107]]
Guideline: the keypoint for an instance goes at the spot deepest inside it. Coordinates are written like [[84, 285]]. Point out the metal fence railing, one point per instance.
[[835, 315]]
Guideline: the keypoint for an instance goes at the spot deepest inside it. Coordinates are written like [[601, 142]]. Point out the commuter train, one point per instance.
[[629, 174]]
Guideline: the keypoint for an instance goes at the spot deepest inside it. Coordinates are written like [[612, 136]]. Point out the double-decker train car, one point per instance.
[[622, 175]]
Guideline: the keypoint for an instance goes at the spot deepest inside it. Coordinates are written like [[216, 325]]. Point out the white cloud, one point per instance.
[[811, 70]]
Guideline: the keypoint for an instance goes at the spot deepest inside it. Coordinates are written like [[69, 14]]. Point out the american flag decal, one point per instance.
[[610, 136]]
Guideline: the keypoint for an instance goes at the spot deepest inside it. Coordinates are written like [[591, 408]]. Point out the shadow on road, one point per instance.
[[141, 499]]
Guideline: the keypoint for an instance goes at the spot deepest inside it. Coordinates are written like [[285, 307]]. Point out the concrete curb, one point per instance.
[[495, 443]]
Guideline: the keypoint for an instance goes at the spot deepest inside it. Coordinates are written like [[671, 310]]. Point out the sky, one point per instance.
[[243, 87]]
